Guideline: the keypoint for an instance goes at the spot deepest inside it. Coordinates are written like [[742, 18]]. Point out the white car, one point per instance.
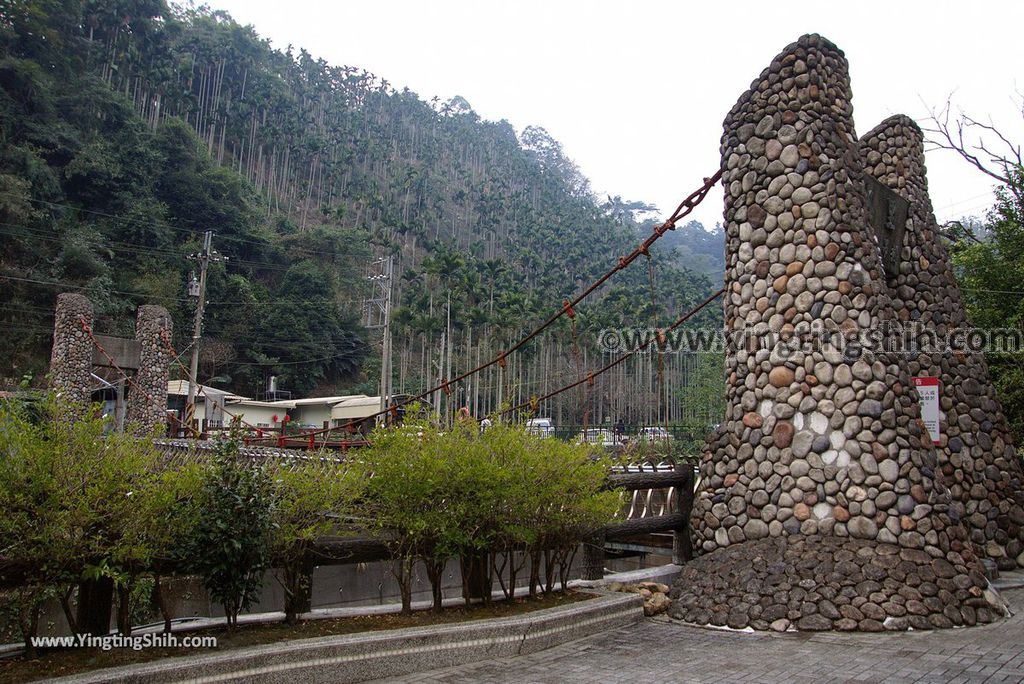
[[540, 426]]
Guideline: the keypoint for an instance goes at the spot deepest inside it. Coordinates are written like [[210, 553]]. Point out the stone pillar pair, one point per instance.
[[71, 362]]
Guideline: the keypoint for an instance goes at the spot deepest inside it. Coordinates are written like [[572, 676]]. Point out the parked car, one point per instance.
[[540, 426], [654, 434]]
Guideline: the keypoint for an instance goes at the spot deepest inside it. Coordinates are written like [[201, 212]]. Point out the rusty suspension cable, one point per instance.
[[535, 401], [568, 307]]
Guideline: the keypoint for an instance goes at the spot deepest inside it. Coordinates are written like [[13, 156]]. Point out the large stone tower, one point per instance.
[[823, 503], [978, 461]]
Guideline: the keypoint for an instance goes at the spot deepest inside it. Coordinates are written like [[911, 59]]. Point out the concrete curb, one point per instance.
[[665, 574], [371, 655]]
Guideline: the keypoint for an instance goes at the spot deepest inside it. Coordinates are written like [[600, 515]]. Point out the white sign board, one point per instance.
[[928, 391]]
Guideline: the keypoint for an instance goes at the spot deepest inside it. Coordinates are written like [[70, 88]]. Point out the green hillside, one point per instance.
[[127, 129]]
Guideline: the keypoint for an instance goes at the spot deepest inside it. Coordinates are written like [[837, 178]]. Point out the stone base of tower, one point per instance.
[[819, 583]]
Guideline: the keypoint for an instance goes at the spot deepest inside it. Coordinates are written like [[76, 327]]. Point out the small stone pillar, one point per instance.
[[593, 557], [147, 398], [976, 455], [71, 357]]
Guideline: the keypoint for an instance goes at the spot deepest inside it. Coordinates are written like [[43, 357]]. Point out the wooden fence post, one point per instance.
[[682, 546], [593, 557]]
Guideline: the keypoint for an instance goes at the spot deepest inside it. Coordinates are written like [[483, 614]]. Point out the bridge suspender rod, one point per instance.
[[568, 307], [199, 388], [590, 377]]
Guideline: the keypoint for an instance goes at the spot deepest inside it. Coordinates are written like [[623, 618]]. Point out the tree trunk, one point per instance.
[[549, 570], [534, 571], [568, 554], [298, 589], [124, 610], [65, 604], [95, 599], [403, 566], [476, 577], [28, 620], [162, 602], [435, 573]]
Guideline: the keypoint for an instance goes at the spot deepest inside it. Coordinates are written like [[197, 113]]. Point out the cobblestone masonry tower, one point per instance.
[[147, 401], [71, 356], [976, 455], [822, 504]]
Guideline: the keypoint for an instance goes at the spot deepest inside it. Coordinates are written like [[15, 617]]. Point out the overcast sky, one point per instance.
[[636, 91]]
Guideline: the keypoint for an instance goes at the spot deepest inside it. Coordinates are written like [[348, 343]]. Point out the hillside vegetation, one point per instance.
[[129, 128]]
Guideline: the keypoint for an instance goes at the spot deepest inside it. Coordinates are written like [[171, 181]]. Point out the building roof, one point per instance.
[[353, 405], [243, 401], [329, 401], [358, 406], [179, 388]]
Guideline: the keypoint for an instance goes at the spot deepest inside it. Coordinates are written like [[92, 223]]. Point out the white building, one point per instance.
[[216, 407]]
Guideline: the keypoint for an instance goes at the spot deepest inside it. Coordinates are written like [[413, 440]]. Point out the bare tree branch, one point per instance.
[[953, 230], [999, 159], [954, 135]]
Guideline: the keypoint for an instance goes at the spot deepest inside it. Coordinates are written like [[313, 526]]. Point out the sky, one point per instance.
[[636, 91]]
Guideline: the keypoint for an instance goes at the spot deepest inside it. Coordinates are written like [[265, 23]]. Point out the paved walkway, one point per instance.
[[664, 651]]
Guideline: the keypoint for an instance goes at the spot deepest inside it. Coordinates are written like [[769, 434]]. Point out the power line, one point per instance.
[[153, 296], [965, 201], [136, 249], [283, 363]]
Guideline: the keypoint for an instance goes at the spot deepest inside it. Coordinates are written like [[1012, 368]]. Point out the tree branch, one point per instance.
[[951, 135], [964, 231]]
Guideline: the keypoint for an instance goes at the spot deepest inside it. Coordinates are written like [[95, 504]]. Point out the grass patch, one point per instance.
[[60, 662]]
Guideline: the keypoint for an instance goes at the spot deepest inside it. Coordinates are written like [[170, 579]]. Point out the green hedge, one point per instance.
[[78, 502]]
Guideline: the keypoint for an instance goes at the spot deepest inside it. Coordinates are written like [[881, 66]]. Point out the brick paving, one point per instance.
[[662, 650]]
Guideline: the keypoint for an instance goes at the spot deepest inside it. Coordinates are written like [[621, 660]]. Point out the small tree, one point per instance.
[[230, 545], [157, 533], [510, 449], [405, 503], [571, 503], [72, 496], [310, 497], [31, 557]]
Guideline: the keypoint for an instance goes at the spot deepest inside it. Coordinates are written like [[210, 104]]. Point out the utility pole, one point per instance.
[[378, 315], [198, 289], [385, 362], [447, 399]]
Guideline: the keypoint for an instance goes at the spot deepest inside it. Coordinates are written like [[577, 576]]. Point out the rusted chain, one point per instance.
[[590, 377], [684, 208]]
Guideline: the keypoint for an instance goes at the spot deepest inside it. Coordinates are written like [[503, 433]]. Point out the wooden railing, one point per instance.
[[676, 484]]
